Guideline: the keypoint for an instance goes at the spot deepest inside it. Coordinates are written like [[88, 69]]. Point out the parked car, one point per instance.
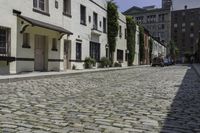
[[167, 62], [158, 61]]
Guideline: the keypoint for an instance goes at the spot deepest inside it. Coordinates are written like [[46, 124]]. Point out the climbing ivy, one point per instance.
[[141, 34], [113, 26], [131, 29]]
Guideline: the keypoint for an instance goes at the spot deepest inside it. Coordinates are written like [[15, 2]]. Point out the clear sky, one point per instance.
[[126, 4]]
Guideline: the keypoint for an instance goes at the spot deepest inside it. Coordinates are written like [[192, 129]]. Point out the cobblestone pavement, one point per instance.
[[138, 100]]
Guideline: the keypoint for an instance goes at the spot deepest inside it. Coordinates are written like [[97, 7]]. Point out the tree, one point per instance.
[[113, 26], [141, 29], [173, 50], [131, 29]]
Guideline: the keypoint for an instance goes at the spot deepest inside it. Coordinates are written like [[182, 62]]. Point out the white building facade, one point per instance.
[[121, 52], [45, 35], [32, 35], [90, 31], [137, 46]]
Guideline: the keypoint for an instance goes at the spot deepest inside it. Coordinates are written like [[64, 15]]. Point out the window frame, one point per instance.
[[66, 5], [78, 51], [37, 8], [95, 21], [83, 19], [6, 47], [26, 40], [54, 44], [95, 50]]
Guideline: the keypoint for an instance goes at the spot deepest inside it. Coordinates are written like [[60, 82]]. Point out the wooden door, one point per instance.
[[67, 54], [39, 52]]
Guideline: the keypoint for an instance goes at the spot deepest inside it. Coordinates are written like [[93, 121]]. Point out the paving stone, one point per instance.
[[138, 100]]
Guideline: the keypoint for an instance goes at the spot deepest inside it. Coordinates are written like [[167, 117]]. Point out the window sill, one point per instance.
[[66, 14], [41, 12]]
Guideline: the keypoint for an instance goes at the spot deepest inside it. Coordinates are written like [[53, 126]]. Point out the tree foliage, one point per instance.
[[131, 29], [173, 49], [113, 26], [141, 29]]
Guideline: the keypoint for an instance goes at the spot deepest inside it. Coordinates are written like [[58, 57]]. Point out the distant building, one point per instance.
[[180, 4], [155, 20], [166, 4], [185, 27]]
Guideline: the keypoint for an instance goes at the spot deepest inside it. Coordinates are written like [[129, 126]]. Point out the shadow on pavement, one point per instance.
[[184, 115]]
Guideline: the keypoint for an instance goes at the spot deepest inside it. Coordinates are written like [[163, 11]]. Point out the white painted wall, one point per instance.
[[121, 43], [83, 32], [137, 46]]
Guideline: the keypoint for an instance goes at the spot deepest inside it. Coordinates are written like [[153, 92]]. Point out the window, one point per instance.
[[120, 55], [54, 44], [175, 25], [163, 26], [83, 15], [95, 50], [41, 5], [56, 4], [78, 51], [95, 21], [120, 31], [67, 7], [4, 40], [89, 19], [26, 40], [104, 25]]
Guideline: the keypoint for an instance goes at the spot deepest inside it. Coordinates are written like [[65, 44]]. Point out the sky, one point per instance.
[[126, 4]]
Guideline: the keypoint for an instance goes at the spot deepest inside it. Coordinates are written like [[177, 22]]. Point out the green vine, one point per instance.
[[150, 49], [113, 26], [141, 29], [131, 29]]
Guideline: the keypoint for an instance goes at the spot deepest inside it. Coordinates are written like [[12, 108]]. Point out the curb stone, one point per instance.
[[55, 75]]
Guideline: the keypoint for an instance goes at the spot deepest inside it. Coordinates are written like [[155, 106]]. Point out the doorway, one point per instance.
[[67, 54], [40, 42]]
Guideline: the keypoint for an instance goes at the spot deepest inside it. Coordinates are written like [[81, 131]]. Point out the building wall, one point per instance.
[[137, 46], [81, 33], [180, 4], [11, 21], [84, 32], [158, 27], [121, 43], [185, 32], [146, 49]]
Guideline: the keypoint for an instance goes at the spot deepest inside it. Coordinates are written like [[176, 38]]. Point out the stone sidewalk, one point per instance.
[[39, 75]]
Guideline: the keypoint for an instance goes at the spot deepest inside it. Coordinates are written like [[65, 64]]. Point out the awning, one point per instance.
[[34, 22]]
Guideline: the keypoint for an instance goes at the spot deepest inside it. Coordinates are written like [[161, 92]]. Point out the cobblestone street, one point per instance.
[[138, 100]]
